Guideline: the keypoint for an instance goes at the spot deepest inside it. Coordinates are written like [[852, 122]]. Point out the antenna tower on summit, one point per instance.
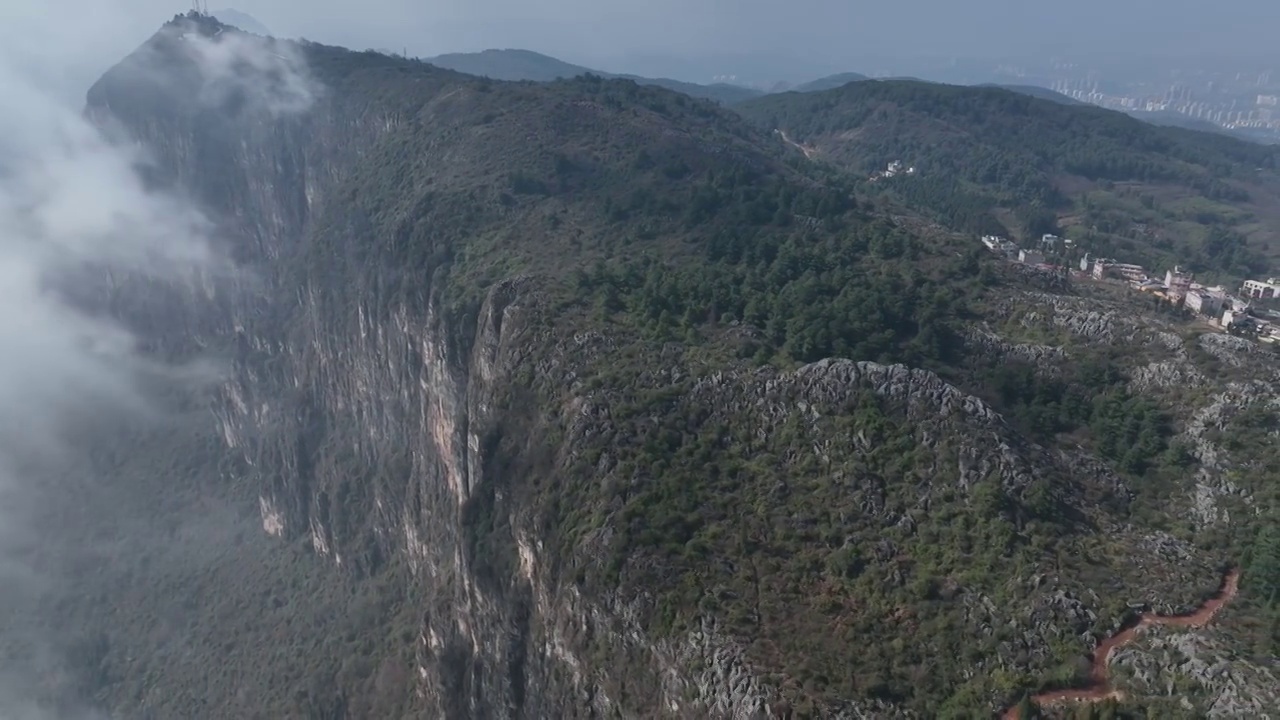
[[200, 7]]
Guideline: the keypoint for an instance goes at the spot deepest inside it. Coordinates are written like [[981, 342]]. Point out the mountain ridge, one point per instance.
[[513, 64]]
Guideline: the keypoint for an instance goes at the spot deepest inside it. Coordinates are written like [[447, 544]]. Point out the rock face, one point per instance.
[[364, 409], [360, 416], [1165, 664]]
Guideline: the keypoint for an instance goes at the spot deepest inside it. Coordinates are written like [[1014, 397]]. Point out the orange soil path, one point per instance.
[[1098, 687]]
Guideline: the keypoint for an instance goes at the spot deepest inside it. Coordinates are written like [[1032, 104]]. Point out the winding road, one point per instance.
[[808, 151], [1098, 687]]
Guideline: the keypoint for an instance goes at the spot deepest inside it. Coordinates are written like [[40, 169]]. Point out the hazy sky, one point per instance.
[[832, 34], [835, 31], [830, 28]]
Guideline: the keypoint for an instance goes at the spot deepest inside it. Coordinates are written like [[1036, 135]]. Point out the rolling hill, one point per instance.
[[1038, 92], [830, 82], [529, 65], [995, 160]]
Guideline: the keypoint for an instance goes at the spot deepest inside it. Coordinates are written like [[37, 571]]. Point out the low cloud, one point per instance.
[[269, 74], [72, 198], [198, 59]]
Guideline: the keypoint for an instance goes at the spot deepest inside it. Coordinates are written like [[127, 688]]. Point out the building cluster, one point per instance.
[[1233, 313], [1029, 256], [1264, 324], [891, 170]]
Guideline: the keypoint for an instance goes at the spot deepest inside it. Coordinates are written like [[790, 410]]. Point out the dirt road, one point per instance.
[[1098, 688]]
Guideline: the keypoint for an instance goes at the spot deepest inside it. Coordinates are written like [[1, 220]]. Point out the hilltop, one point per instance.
[[992, 160], [529, 65], [596, 399], [829, 82], [1037, 91]]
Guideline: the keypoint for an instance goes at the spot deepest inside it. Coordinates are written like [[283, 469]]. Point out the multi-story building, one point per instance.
[[1204, 303], [1109, 268], [1258, 289], [1178, 283]]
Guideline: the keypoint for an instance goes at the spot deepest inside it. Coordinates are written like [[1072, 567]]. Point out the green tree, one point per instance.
[[1262, 577]]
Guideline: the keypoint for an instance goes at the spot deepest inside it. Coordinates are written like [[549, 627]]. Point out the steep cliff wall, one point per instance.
[[364, 413]]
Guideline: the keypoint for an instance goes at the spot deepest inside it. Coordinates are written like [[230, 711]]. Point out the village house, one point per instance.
[[1103, 269], [1203, 302], [997, 244], [1260, 290]]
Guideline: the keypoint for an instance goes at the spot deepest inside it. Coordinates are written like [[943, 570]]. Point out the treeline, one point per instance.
[[811, 295]]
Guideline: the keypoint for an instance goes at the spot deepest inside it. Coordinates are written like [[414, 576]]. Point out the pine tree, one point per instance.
[[1262, 577]]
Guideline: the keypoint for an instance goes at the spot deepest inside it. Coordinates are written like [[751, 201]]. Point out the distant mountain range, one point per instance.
[[530, 65], [514, 64], [830, 82], [517, 65]]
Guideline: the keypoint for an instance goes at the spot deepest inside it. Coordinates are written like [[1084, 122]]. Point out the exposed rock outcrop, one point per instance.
[[1163, 664]]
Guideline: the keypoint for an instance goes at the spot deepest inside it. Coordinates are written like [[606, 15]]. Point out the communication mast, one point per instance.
[[200, 7]]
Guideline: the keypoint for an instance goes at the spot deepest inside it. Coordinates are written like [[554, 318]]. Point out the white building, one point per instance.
[[1030, 257], [997, 244], [1258, 289], [1107, 268]]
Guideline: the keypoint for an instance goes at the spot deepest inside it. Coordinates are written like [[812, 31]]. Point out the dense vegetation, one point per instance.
[[993, 160], [1011, 141]]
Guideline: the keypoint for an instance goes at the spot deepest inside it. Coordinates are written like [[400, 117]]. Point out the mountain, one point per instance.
[[829, 82], [245, 22], [586, 398], [529, 65], [510, 65], [992, 160]]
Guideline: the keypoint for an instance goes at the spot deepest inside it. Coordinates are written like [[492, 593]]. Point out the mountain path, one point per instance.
[[1098, 688], [809, 152]]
